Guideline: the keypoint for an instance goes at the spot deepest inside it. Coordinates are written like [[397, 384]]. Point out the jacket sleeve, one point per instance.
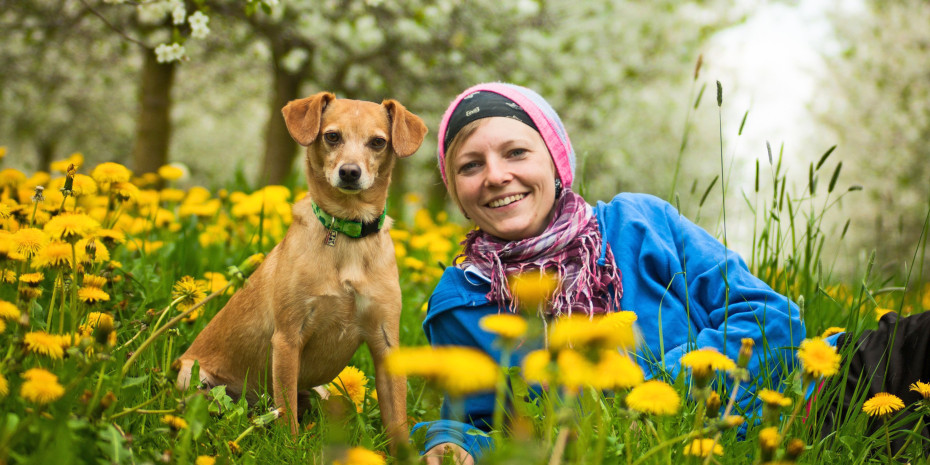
[[732, 304], [452, 320]]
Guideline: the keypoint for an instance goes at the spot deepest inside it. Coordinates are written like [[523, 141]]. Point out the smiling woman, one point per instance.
[[508, 163]]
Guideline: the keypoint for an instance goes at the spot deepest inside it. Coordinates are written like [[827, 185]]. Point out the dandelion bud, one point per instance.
[[732, 421], [38, 197], [713, 405], [795, 449], [108, 399], [103, 329], [91, 250], [719, 94], [69, 180], [745, 352], [768, 442]]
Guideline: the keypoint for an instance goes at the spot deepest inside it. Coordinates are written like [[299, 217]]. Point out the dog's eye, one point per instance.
[[378, 143], [332, 137]]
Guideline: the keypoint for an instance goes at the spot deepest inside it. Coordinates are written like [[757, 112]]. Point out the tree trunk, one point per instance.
[[280, 148], [153, 128]]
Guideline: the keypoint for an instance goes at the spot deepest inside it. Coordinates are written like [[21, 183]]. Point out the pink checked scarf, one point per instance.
[[569, 247]]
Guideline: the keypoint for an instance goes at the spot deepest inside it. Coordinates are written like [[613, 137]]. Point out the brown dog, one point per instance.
[[321, 291]]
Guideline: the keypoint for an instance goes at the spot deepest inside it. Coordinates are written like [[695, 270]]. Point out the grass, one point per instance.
[[118, 402]]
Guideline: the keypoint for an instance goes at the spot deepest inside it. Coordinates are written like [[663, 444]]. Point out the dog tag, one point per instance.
[[331, 238]]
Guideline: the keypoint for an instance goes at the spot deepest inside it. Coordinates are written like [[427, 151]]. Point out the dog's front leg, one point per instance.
[[392, 390], [285, 348]]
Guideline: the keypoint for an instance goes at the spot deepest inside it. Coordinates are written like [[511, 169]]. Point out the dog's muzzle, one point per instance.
[[349, 176]]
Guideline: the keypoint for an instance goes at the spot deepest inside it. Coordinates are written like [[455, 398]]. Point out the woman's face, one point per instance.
[[505, 179]]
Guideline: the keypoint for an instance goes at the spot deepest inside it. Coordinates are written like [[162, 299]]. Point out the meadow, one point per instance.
[[107, 277]]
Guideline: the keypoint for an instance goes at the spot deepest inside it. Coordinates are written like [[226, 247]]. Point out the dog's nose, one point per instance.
[[350, 172]]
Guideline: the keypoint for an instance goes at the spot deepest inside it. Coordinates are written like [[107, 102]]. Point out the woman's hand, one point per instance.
[[435, 455]]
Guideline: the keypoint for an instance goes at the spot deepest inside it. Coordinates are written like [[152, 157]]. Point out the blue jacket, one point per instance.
[[686, 288]]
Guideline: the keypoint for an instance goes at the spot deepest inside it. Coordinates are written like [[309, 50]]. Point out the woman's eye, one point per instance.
[[470, 166], [517, 152], [332, 137], [378, 143]]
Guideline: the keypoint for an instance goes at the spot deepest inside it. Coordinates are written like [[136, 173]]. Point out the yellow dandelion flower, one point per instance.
[[831, 331], [616, 371], [83, 185], [4, 385], [575, 370], [110, 237], [774, 398], [818, 358], [100, 253], [174, 422], [532, 289], [96, 320], [921, 388], [125, 191], [769, 438], [8, 311], [882, 404], [352, 381], [467, 371], [880, 312], [360, 456], [188, 291], [704, 362], [457, 370], [2, 326], [614, 331], [215, 281], [11, 177], [622, 326], [94, 281], [654, 397], [55, 254], [71, 227], [42, 343], [41, 386], [92, 295], [170, 195], [108, 173], [703, 448], [31, 279], [506, 325], [536, 366], [171, 172], [29, 241], [205, 460], [8, 276]]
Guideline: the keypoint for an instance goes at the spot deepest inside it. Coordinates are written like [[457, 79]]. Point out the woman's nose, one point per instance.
[[497, 172]]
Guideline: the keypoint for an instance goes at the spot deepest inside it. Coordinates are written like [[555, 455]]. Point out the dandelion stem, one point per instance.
[[169, 325], [138, 408], [797, 409], [499, 396], [560, 441], [887, 435]]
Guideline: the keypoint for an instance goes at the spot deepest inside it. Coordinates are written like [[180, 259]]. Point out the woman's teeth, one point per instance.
[[506, 201]]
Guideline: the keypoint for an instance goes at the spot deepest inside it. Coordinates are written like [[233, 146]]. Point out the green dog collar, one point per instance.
[[350, 228]]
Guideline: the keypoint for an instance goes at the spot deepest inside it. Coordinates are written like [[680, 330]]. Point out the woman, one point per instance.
[[507, 162]]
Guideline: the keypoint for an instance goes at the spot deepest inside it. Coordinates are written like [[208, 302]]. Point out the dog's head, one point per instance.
[[352, 144]]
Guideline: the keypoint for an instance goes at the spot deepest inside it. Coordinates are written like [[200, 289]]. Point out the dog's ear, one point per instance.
[[303, 116], [407, 129]]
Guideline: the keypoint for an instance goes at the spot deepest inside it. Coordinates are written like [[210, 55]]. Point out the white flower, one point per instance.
[[198, 22], [165, 53], [153, 12], [178, 12]]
